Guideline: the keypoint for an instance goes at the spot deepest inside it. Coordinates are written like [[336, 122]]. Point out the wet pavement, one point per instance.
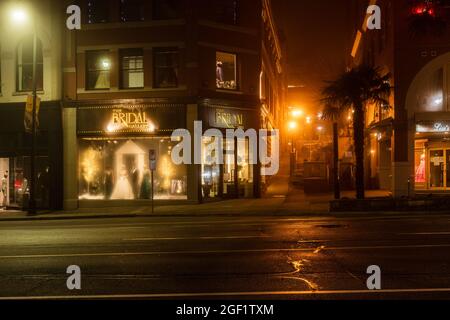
[[228, 257]]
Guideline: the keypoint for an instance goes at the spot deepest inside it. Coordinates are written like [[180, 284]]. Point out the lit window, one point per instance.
[[430, 96], [98, 70], [166, 67], [98, 11], [25, 65], [132, 68], [226, 75]]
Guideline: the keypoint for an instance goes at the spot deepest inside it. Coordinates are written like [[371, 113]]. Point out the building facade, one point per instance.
[[16, 43], [408, 145], [139, 70]]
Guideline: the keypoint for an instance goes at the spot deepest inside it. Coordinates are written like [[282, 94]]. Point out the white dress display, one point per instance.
[[123, 189]]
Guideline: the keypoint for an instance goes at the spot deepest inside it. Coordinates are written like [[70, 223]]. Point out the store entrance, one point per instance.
[[439, 168], [230, 178]]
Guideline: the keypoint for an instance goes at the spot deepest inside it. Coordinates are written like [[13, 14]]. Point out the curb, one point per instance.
[[275, 213]]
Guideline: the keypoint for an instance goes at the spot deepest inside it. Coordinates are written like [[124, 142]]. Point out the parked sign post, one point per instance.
[[152, 160]]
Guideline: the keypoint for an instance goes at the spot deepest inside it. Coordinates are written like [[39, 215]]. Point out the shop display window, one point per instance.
[[226, 71], [119, 170], [420, 164], [15, 182], [218, 174]]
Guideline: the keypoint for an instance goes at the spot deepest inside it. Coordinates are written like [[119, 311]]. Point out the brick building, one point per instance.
[[408, 148], [138, 70]]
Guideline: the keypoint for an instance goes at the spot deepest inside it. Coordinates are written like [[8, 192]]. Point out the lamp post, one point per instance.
[[19, 15], [292, 126]]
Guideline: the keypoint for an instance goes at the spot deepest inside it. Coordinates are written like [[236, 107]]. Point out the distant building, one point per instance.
[[16, 43], [138, 70], [408, 147]]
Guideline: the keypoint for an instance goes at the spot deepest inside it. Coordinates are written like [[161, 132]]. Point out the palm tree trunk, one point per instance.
[[358, 138]]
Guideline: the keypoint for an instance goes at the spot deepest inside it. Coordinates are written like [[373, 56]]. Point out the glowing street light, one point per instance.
[[292, 125], [297, 113], [19, 16]]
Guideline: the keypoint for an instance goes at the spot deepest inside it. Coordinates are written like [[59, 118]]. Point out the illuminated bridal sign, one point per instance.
[[433, 127], [227, 119], [125, 120], [141, 119]]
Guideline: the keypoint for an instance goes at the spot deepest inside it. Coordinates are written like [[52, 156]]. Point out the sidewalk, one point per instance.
[[281, 199], [293, 203]]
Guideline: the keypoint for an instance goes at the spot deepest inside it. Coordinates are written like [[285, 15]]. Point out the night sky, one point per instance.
[[319, 36]]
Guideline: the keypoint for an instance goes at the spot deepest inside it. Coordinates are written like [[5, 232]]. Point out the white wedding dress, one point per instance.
[[123, 189]]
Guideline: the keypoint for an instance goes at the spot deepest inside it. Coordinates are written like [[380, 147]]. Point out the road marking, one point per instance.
[[251, 221], [230, 294], [123, 254], [198, 238], [426, 233]]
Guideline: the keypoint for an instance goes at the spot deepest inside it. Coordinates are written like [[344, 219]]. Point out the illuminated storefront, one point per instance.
[[235, 176], [432, 155], [114, 143], [15, 157]]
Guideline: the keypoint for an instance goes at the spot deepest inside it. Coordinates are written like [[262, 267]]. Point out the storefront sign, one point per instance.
[[433, 127], [130, 119], [228, 119]]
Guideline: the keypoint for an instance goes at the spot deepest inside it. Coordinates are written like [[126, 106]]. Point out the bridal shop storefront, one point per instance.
[[235, 177], [114, 147], [432, 155]]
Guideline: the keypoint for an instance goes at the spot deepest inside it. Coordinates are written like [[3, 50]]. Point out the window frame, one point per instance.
[[160, 50], [236, 70], [122, 6], [88, 71], [107, 13], [157, 17], [39, 66], [223, 17], [127, 53]]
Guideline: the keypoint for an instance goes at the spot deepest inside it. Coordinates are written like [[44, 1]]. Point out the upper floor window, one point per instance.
[[226, 71], [225, 11], [132, 68], [98, 11], [431, 95], [132, 10], [167, 9], [166, 63], [98, 70], [25, 65]]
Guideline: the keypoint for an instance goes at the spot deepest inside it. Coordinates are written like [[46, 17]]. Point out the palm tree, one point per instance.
[[352, 92]]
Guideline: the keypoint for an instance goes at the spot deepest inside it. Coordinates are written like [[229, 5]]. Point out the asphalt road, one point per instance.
[[228, 258]]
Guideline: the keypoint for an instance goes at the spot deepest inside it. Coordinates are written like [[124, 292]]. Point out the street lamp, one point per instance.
[[297, 113], [20, 16], [292, 126]]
